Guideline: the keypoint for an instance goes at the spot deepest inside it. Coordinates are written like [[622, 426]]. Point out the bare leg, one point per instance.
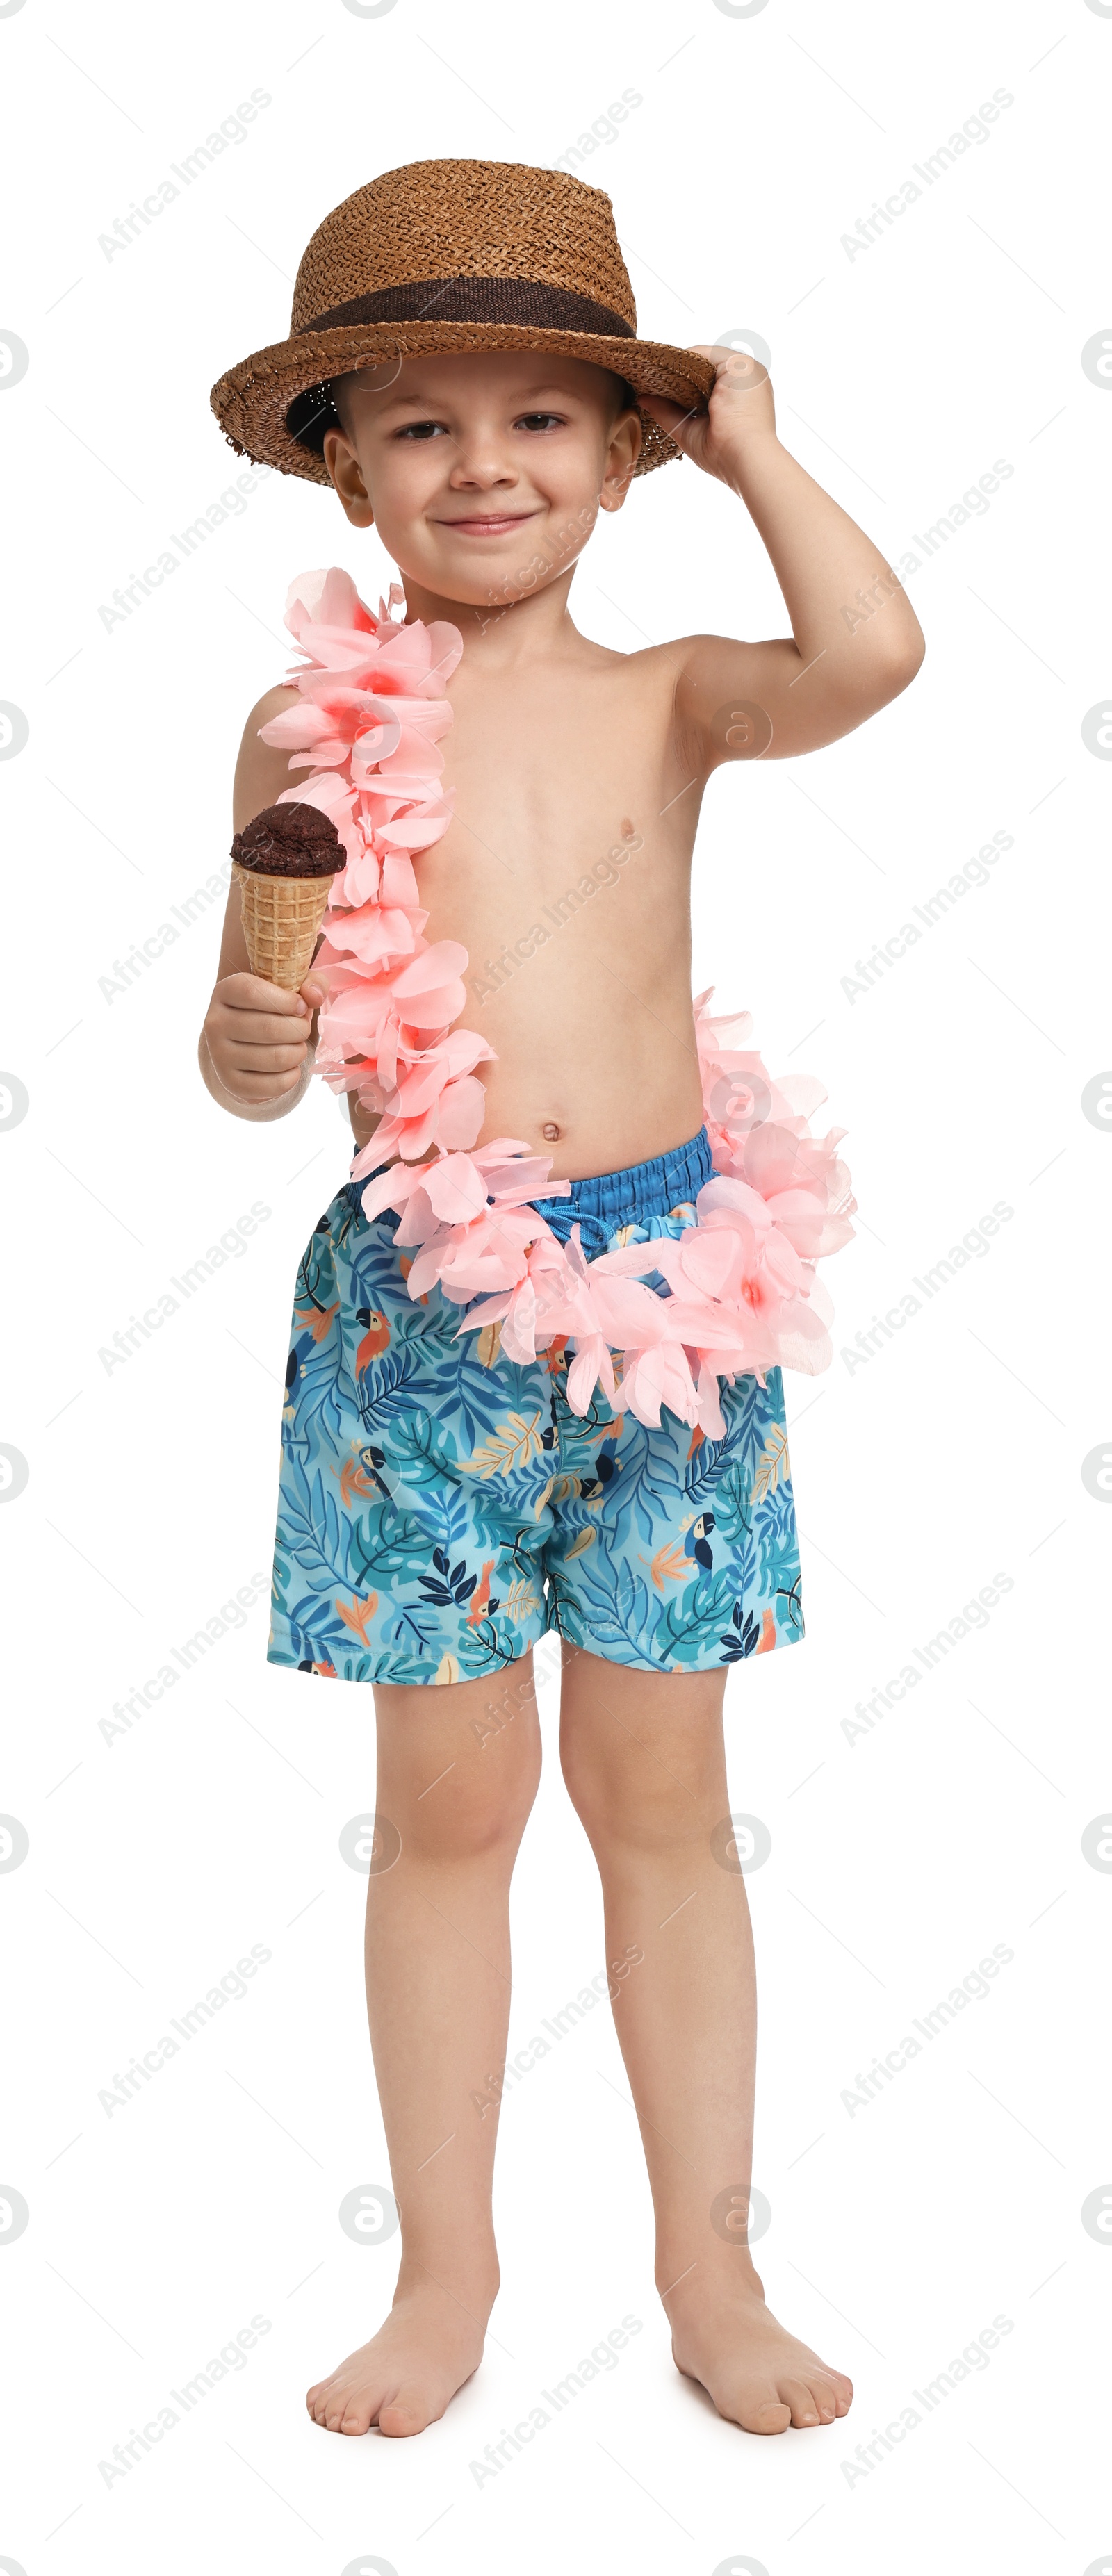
[[458, 1792], [645, 1766]]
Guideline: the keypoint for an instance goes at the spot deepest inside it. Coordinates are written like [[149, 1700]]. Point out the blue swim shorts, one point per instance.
[[440, 1508]]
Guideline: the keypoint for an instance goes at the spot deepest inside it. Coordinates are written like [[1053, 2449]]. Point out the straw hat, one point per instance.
[[447, 256]]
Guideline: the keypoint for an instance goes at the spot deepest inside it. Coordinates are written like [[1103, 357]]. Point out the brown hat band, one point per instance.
[[479, 299]]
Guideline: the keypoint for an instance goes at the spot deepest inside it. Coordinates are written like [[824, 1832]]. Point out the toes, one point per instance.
[[397, 2422], [357, 2415], [339, 2409], [797, 2395], [833, 2387], [764, 2414], [407, 2411], [328, 2403]]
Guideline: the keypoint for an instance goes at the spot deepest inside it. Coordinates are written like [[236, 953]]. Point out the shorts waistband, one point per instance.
[[630, 1197], [608, 1200]]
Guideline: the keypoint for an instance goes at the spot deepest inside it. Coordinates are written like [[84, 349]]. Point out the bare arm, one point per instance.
[[856, 641], [256, 1046]]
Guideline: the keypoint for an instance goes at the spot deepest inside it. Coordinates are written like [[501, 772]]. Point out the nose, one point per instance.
[[483, 462]]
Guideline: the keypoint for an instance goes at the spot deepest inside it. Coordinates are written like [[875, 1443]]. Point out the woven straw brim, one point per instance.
[[281, 922], [251, 400]]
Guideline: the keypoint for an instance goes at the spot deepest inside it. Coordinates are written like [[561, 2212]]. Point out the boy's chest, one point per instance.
[[541, 774]]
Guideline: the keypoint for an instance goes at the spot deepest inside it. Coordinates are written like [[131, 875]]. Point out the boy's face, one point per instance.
[[483, 473]]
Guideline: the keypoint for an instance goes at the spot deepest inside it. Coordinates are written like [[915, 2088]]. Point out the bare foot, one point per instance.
[[406, 2375], [755, 2371]]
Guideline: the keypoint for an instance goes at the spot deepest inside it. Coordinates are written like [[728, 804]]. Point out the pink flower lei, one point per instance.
[[742, 1292]]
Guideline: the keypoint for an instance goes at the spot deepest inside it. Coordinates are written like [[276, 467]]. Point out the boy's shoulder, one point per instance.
[[270, 704], [262, 773]]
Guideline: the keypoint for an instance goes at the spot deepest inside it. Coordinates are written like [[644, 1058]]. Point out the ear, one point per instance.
[[347, 475], [621, 457]]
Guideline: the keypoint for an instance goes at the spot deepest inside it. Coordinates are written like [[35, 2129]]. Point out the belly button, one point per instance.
[[551, 1132], [627, 828]]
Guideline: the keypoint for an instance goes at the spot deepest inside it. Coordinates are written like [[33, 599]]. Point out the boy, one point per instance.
[[464, 369]]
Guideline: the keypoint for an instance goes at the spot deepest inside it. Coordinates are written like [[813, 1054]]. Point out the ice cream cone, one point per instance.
[[281, 923]]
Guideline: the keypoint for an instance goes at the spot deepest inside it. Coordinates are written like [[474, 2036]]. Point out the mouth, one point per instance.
[[495, 523]]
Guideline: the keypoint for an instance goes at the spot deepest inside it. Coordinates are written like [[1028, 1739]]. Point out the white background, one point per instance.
[[900, 1857]]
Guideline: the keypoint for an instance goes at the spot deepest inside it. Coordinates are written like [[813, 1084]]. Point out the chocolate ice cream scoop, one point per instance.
[[289, 841], [284, 864]]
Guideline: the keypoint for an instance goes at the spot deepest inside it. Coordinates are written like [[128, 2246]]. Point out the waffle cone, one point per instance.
[[281, 922]]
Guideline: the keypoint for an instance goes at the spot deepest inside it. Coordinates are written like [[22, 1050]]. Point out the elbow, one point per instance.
[[914, 656], [899, 666]]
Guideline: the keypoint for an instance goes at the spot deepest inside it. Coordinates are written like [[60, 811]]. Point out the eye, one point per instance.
[[538, 420], [423, 429]]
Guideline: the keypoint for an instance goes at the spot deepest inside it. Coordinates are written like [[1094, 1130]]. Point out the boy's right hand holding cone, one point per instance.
[[258, 1036], [259, 1025]]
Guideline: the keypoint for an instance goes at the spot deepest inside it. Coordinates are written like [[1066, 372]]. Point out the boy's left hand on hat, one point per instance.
[[740, 409]]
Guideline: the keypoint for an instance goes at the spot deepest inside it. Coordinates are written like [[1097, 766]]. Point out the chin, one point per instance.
[[483, 581], [472, 584]]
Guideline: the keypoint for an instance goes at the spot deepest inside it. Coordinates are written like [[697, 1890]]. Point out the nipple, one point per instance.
[[551, 1132]]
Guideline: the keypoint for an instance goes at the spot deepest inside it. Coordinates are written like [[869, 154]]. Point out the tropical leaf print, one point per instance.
[[669, 1565], [513, 1444], [317, 1320], [356, 1614], [422, 1449], [689, 1625], [521, 1599], [733, 1511], [772, 1463], [448, 1584], [742, 1636], [777, 1547], [610, 1606]]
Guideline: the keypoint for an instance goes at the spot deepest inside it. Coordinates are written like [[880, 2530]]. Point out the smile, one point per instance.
[[498, 524]]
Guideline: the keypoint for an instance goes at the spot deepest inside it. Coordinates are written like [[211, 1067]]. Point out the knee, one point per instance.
[[466, 1794], [623, 1794], [604, 1795], [475, 1814]]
